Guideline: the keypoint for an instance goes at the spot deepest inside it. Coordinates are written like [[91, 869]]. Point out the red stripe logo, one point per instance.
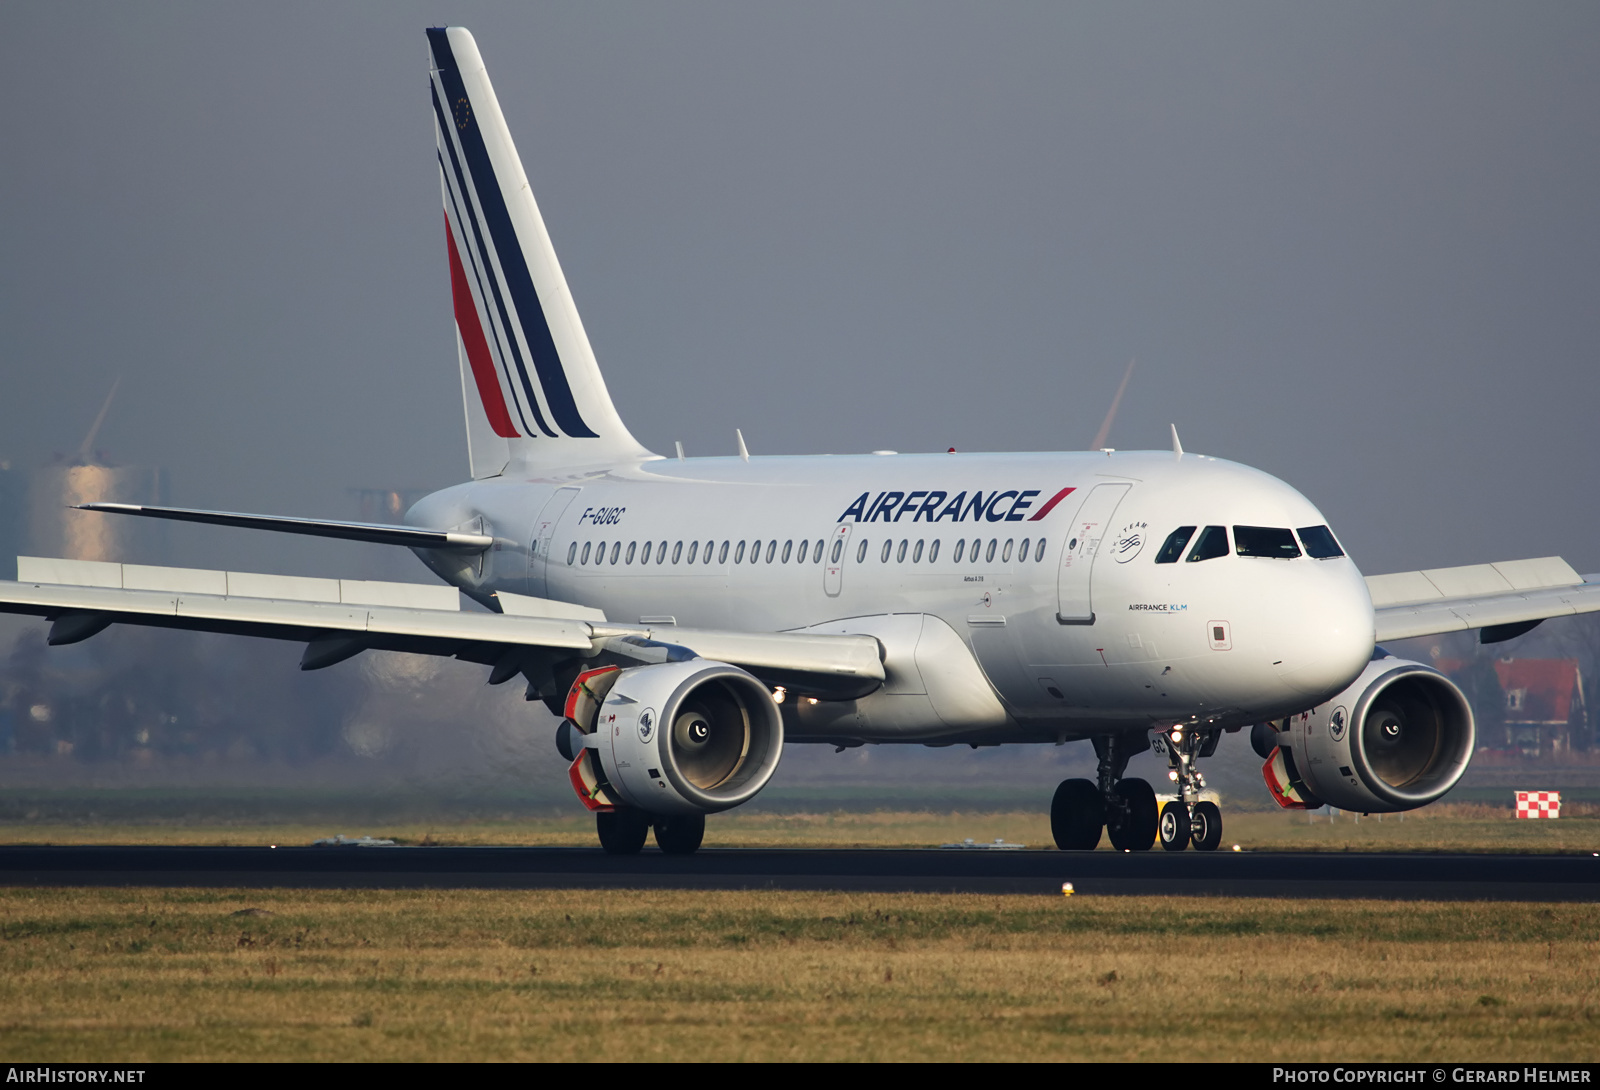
[[1051, 504], [483, 372]]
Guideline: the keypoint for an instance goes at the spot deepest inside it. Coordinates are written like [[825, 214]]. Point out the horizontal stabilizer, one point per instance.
[[375, 532]]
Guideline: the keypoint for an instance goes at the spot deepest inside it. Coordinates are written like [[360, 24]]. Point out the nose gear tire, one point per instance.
[[1207, 827], [1174, 827]]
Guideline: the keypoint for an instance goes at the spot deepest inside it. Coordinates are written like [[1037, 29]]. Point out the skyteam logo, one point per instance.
[[1129, 542], [504, 332], [1010, 505], [647, 725]]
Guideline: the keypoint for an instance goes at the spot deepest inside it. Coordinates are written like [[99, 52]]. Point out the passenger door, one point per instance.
[[1074, 600], [544, 529], [833, 563]]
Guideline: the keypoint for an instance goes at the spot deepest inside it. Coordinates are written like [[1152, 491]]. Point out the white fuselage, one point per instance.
[[1089, 635]]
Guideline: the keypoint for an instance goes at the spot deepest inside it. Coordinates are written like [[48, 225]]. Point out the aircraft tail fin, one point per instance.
[[533, 392]]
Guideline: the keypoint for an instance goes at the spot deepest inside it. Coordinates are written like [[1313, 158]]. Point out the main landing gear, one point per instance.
[[1124, 808], [1187, 820], [623, 831]]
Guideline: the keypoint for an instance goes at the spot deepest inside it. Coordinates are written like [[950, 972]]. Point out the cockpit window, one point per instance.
[[1270, 541], [1172, 551], [1212, 544], [1319, 542]]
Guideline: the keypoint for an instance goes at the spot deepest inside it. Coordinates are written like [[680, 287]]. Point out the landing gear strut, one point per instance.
[[1125, 808], [1186, 819]]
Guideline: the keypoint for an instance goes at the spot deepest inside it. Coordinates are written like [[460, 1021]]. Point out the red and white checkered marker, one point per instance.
[[1538, 804]]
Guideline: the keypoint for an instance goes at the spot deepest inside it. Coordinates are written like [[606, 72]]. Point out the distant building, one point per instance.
[[1544, 706]]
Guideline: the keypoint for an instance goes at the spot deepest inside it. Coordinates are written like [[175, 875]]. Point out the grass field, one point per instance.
[[1451, 827], [133, 975]]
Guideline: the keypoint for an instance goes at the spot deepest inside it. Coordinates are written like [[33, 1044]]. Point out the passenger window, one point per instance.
[[738, 554], [1212, 544], [989, 557], [661, 554], [694, 550], [816, 553], [616, 547], [788, 548], [900, 554], [977, 544], [645, 559], [916, 554], [1319, 542], [572, 552], [772, 547], [1038, 552], [1005, 557], [587, 545], [1172, 550], [705, 557], [861, 551], [677, 553], [630, 551], [722, 553], [933, 552], [887, 547], [961, 547], [801, 559], [1022, 550], [1269, 541]]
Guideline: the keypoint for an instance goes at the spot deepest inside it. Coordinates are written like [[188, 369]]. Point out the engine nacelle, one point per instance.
[[689, 737], [1398, 738]]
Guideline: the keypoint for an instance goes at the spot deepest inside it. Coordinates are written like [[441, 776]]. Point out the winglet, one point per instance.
[[1177, 447]]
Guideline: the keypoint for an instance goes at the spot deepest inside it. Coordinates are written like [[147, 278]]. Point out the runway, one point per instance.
[[1398, 876]]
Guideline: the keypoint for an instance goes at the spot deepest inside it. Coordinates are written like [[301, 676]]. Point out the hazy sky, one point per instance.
[[1354, 245]]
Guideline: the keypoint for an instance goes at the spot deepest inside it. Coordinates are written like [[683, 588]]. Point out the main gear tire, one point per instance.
[[1174, 828], [1207, 831], [1077, 814], [680, 834], [1133, 829], [622, 831]]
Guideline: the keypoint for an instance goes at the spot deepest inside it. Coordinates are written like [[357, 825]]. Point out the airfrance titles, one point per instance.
[[1010, 505]]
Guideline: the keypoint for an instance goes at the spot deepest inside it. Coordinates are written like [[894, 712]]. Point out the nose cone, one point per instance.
[[1325, 631]]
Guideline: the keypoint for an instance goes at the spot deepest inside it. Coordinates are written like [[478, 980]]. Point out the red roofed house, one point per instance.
[[1544, 701]]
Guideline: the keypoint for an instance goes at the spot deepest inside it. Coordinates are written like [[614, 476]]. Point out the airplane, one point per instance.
[[685, 617]]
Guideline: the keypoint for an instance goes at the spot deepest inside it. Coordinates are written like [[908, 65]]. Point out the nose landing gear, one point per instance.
[[1187, 819]]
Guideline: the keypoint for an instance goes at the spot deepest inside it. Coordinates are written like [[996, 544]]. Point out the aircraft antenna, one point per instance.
[[1104, 433]]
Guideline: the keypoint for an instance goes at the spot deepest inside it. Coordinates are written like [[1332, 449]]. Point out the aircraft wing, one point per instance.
[[1502, 600], [338, 618]]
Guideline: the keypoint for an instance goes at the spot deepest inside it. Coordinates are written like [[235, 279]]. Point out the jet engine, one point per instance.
[[690, 737], [1398, 738]]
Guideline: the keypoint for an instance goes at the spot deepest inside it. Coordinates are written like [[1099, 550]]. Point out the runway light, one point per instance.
[[1066, 889], [1236, 847]]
